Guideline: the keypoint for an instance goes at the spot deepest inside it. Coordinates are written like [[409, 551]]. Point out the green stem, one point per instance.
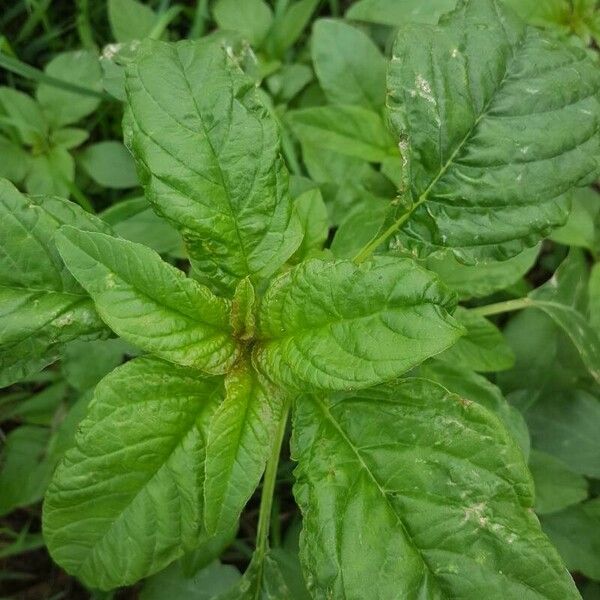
[[84, 27], [201, 17], [502, 307], [266, 499], [164, 20]]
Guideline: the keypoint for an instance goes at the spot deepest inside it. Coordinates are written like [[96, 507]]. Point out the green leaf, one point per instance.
[[312, 214], [127, 499], [399, 12], [335, 325], [68, 137], [109, 164], [496, 123], [555, 298], [556, 486], [594, 297], [288, 26], [41, 304], [579, 229], [15, 161], [566, 425], [483, 347], [61, 107], [25, 471], [251, 18], [130, 20], [423, 489], [476, 281], [84, 364], [22, 114], [50, 173], [263, 580], [576, 533], [207, 584], [239, 442], [350, 130], [215, 170], [354, 73], [150, 303], [472, 386], [135, 221]]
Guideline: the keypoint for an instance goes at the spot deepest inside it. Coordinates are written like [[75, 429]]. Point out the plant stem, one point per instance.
[[502, 307], [266, 499], [84, 27], [201, 17]]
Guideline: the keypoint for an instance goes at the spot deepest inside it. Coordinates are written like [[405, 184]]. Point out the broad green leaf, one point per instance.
[[15, 160], [109, 164], [288, 26], [22, 114], [556, 486], [135, 221], [150, 303], [41, 304], [496, 124], [263, 580], [24, 471], [349, 66], [207, 584], [350, 130], [359, 226], [68, 137], [594, 298], [62, 107], [550, 13], [37, 409], [399, 12], [335, 325], [130, 20], [476, 281], [576, 533], [422, 488], [251, 18], [482, 348], [566, 425], [286, 83], [51, 173], [127, 499], [470, 385], [214, 170], [579, 230], [558, 299], [312, 214], [239, 441], [84, 364]]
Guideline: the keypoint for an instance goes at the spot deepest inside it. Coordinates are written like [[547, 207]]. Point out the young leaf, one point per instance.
[[22, 114], [312, 213], [497, 123], [61, 107], [41, 304], [214, 170], [424, 489], [51, 173], [483, 347], [150, 303], [350, 130], [335, 325], [127, 499], [239, 441], [288, 26], [353, 73]]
